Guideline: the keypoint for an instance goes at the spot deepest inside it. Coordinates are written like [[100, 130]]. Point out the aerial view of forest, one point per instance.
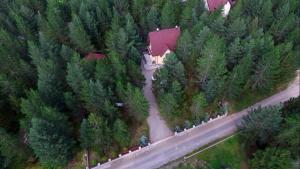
[[72, 77]]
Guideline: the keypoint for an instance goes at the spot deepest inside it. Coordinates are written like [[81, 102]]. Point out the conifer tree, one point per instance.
[[48, 137], [50, 83], [79, 36], [236, 29], [75, 75], [136, 103], [54, 24], [152, 19], [184, 47], [121, 133], [168, 18]]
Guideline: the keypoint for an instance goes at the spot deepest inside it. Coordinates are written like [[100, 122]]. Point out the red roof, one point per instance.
[[94, 56], [163, 40], [215, 4]]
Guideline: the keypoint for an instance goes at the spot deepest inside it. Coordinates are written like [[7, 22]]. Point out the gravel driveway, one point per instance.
[[158, 128]]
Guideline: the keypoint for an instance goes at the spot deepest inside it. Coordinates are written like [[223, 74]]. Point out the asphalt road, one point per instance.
[[174, 147]]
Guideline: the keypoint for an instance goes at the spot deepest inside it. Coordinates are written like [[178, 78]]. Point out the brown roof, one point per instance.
[[215, 4], [94, 56], [163, 40]]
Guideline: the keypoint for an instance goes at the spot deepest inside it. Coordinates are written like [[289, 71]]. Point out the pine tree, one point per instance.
[[75, 75], [85, 138], [122, 43], [99, 133], [89, 21], [169, 106], [48, 137], [121, 133], [131, 30], [236, 29], [177, 91], [94, 96], [198, 106], [235, 53], [202, 37], [50, 83], [152, 19], [136, 103], [10, 148], [267, 71], [168, 18], [212, 63], [271, 158], [184, 47], [239, 77], [79, 36], [267, 14], [121, 6], [186, 20], [54, 24], [260, 125], [138, 12]]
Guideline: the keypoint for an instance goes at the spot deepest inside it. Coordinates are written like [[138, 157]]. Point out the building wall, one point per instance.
[[160, 59]]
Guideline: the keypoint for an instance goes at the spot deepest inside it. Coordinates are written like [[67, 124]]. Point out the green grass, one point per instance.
[[228, 153]]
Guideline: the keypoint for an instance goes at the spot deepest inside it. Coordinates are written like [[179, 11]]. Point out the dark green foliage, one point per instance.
[[271, 158], [43, 69], [121, 133], [49, 139], [79, 36], [184, 47], [267, 71], [10, 149], [235, 53], [168, 18], [289, 135], [75, 75], [260, 125], [236, 29], [198, 106], [152, 19], [97, 133], [50, 82], [239, 77], [85, 139], [136, 103]]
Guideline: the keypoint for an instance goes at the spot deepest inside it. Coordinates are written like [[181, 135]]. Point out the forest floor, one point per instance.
[[157, 126]]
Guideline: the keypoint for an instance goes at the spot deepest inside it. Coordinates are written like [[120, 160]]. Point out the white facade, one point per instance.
[[226, 9], [153, 62]]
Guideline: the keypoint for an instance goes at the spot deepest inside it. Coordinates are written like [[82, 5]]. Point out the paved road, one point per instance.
[[158, 128], [175, 147]]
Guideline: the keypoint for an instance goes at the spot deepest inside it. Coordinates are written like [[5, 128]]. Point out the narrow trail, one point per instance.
[[158, 128]]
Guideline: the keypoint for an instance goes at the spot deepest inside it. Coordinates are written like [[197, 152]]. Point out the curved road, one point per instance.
[[158, 128], [174, 147]]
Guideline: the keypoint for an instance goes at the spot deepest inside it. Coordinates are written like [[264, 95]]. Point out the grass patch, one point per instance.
[[227, 154]]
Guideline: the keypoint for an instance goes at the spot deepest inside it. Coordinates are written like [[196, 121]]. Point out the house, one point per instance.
[[161, 43], [94, 56], [212, 5]]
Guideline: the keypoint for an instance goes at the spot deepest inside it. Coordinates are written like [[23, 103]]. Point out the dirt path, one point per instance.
[[158, 128]]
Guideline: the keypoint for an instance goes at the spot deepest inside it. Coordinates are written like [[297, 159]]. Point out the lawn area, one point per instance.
[[229, 154], [226, 154]]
